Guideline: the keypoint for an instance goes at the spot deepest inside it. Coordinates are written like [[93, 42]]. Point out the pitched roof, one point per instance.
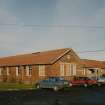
[[46, 57], [92, 63]]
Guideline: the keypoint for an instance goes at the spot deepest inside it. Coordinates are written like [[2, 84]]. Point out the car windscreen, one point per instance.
[[103, 78]]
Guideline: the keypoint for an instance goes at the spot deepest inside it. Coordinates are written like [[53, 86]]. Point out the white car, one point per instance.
[[101, 81]]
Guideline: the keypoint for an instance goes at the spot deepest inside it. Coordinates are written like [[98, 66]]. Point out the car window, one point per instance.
[[81, 78], [88, 78], [102, 78], [61, 78], [57, 79], [46, 80], [85, 78], [52, 79]]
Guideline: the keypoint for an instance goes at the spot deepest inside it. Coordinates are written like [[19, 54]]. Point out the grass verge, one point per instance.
[[15, 86]]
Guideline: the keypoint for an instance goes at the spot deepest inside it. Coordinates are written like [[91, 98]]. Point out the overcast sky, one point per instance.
[[36, 25]]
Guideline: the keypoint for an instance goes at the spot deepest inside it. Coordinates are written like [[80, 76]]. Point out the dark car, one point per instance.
[[82, 81], [55, 83]]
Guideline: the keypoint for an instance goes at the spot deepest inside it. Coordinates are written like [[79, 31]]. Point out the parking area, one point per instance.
[[72, 96]]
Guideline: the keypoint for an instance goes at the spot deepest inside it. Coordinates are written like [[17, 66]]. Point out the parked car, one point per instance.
[[101, 81], [55, 83], [82, 81]]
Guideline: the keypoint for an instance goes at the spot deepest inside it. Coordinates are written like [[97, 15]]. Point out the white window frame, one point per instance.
[[7, 70], [41, 70], [62, 69]]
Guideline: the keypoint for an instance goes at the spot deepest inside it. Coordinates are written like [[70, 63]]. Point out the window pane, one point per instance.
[[8, 71], [17, 70], [41, 70], [30, 70], [61, 69]]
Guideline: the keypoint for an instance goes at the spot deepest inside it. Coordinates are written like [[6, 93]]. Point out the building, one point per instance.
[[93, 68], [29, 68]]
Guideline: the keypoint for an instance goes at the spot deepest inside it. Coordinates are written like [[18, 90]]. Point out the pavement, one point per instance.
[[72, 96]]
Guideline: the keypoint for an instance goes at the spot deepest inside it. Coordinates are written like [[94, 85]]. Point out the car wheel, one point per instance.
[[37, 86], [85, 85], [70, 85], [99, 84], [55, 88]]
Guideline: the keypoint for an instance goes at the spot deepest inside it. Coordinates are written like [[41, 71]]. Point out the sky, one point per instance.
[[35, 25]]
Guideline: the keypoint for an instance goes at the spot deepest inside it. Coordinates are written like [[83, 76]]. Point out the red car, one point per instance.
[[82, 81]]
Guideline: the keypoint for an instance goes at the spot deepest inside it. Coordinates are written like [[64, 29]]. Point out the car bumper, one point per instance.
[[101, 83]]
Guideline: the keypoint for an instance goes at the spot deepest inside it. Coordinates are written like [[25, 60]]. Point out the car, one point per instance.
[[101, 81], [82, 81], [55, 83]]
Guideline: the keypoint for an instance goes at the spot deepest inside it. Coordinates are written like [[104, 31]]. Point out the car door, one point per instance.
[[78, 81], [75, 81], [52, 82], [44, 83]]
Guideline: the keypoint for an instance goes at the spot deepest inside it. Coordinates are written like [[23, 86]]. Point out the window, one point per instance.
[[84, 71], [28, 70], [41, 70], [17, 70], [68, 69], [4, 71], [62, 68], [8, 72], [0, 71], [74, 69]]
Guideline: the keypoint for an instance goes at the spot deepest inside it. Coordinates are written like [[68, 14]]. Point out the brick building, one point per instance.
[[29, 68]]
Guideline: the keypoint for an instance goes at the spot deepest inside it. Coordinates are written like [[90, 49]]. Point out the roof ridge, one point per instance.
[[92, 60], [33, 53], [53, 50]]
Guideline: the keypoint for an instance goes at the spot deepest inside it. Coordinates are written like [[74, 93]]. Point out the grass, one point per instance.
[[15, 86]]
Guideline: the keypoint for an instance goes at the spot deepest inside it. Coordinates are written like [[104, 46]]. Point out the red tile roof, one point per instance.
[[92, 63], [46, 57]]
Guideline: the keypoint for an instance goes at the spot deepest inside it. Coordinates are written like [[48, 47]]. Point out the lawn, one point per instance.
[[15, 86]]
